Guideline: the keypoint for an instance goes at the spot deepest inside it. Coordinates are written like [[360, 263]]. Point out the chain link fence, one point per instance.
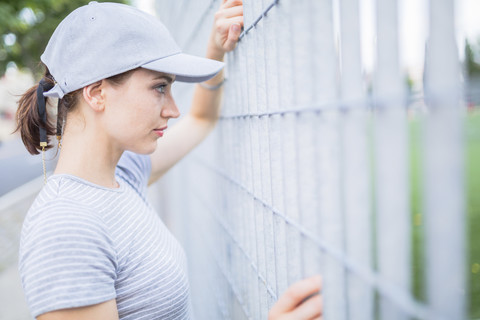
[[310, 168]]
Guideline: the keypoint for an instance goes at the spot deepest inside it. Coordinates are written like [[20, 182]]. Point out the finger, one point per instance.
[[238, 20], [223, 26], [229, 12], [311, 308], [296, 293], [233, 35], [231, 3]]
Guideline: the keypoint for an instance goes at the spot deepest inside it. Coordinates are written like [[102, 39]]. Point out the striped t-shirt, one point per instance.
[[84, 244]]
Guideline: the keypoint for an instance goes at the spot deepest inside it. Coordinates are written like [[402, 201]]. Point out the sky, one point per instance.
[[145, 5], [469, 14], [413, 29]]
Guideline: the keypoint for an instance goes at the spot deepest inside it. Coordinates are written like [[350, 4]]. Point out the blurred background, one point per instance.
[[26, 26]]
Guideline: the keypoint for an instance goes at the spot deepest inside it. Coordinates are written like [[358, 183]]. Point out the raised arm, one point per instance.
[[197, 124]]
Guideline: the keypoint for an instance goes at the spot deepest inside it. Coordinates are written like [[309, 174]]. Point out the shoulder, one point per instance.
[[63, 220], [68, 210], [67, 256], [64, 211], [63, 201]]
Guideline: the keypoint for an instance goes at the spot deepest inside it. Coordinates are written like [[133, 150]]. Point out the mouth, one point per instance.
[[159, 131]]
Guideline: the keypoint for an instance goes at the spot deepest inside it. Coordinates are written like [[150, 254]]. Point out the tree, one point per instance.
[[472, 72], [26, 27], [472, 59]]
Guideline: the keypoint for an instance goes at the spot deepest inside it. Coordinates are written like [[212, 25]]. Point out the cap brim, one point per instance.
[[186, 68]]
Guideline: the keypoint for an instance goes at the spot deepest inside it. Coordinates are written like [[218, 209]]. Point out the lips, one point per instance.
[[159, 131]]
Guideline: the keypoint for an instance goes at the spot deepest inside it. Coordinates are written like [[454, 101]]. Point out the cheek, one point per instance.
[[147, 110], [119, 118], [139, 119], [135, 114]]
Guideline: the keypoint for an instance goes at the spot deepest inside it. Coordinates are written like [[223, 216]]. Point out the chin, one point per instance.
[[144, 149]]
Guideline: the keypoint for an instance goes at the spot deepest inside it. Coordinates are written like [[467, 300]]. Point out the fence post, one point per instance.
[[444, 188], [356, 168], [391, 161]]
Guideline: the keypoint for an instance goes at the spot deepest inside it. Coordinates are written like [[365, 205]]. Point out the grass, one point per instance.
[[472, 179], [473, 209]]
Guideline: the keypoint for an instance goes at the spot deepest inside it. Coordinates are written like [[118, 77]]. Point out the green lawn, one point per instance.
[[473, 209], [472, 175]]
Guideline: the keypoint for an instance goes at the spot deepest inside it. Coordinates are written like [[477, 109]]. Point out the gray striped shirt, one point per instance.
[[83, 244]]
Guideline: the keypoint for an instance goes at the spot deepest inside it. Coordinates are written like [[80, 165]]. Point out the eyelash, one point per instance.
[[162, 87]]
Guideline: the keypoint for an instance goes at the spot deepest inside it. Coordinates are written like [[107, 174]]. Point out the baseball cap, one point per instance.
[[100, 40]]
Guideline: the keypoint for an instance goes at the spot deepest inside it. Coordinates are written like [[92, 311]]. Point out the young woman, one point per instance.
[[92, 247]]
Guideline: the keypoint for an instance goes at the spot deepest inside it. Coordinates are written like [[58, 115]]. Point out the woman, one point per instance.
[[92, 247]]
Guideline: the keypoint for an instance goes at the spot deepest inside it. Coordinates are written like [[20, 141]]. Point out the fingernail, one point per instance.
[[236, 27]]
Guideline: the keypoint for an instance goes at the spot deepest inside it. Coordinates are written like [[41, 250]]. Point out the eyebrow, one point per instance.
[[168, 78]]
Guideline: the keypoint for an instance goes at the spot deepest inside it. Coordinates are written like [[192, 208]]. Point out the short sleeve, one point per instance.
[[135, 169], [67, 259]]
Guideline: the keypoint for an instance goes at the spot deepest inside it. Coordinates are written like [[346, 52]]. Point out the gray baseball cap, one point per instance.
[[101, 40]]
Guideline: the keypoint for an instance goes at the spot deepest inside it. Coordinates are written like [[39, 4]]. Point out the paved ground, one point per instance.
[[13, 207], [12, 301]]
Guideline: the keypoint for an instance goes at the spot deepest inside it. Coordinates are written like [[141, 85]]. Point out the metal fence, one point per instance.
[[308, 170]]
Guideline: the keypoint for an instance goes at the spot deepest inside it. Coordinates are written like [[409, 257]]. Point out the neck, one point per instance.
[[89, 156]]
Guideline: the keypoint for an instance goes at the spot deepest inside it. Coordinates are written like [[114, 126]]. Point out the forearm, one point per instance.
[[191, 129], [205, 109], [223, 38], [206, 103]]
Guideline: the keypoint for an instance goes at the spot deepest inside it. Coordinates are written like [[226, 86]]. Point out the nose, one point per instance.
[[170, 110]]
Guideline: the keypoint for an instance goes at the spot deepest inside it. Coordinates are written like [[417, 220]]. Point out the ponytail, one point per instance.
[[29, 121], [30, 117]]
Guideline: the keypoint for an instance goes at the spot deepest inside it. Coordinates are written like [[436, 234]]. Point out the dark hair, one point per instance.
[[28, 119]]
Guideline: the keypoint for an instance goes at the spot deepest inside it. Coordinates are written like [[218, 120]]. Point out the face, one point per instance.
[[137, 111]]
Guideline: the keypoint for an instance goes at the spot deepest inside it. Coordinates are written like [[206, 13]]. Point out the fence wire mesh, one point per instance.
[[308, 169]]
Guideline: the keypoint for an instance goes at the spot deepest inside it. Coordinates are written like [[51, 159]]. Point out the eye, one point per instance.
[[161, 88]]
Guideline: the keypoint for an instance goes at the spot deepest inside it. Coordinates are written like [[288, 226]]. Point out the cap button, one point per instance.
[[92, 2]]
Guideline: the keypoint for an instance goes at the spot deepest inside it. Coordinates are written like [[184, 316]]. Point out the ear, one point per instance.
[[94, 95]]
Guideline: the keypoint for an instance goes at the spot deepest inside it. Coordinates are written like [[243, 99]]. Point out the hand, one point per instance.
[[291, 305], [227, 27]]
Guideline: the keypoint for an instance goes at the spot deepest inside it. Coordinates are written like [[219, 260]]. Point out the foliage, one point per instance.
[[26, 26], [472, 58]]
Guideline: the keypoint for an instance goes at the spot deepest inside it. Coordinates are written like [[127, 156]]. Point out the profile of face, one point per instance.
[[132, 115]]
